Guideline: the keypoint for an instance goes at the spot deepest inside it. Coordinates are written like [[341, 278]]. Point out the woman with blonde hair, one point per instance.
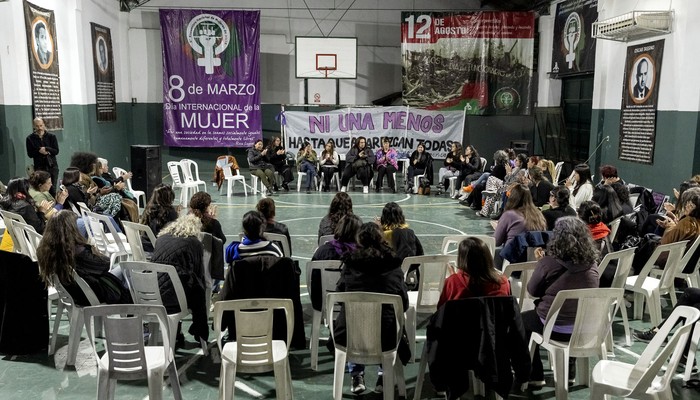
[[329, 162]]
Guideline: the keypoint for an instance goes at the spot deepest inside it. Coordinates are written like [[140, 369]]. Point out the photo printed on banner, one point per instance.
[[43, 65], [640, 91], [103, 65]]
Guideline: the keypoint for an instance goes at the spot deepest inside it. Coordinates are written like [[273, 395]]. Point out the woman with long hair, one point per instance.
[[307, 161], [18, 201], [179, 246], [397, 233], [471, 171], [475, 275], [452, 165], [358, 161], [159, 212], [329, 162], [420, 163], [344, 240], [277, 156], [558, 206], [373, 267], [340, 206], [520, 216], [63, 249], [540, 187], [200, 205], [580, 185], [569, 263], [609, 203], [266, 206]]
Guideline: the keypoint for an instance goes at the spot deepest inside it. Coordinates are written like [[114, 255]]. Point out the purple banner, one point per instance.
[[211, 78]]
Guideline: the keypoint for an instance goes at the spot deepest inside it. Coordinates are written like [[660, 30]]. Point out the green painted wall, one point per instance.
[[676, 155]]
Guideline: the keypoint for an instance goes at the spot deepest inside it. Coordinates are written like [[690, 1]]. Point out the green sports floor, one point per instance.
[[432, 217]]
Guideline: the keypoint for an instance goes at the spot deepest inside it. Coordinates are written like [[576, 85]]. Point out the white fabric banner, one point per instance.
[[405, 126]]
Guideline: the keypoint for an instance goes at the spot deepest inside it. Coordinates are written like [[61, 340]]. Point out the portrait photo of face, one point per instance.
[[641, 81], [43, 44], [101, 54]]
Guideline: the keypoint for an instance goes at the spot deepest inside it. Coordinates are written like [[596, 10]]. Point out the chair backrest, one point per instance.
[[526, 269], [187, 170], [325, 239], [484, 162], [624, 260], [557, 172], [688, 255], [27, 237], [66, 298], [656, 353], [119, 172], [668, 274], [9, 217], [123, 334], [431, 278], [134, 231], [593, 318], [614, 227], [330, 273], [253, 330], [450, 240], [174, 170], [96, 223], [227, 171], [363, 322], [278, 237], [142, 277]]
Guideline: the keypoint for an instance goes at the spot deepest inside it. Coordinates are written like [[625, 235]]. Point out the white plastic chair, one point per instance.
[[557, 172], [142, 277], [432, 271], [67, 303], [134, 232], [336, 178], [301, 176], [363, 322], [9, 217], [139, 194], [614, 227], [325, 239], [450, 240], [330, 273], [453, 185], [126, 357], [113, 246], [185, 187], [484, 162], [525, 301], [254, 350], [646, 287], [692, 278], [624, 259], [278, 237], [188, 166], [231, 180], [641, 380], [593, 321]]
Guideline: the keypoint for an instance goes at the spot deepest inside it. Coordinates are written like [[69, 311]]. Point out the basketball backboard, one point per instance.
[[326, 57]]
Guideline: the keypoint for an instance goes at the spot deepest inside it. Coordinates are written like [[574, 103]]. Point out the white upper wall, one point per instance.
[[680, 80]]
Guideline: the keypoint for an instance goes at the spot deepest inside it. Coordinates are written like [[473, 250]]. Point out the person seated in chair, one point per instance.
[[359, 161], [179, 246], [329, 164], [374, 267], [267, 208], [260, 167], [277, 156], [420, 163], [306, 163], [387, 164], [253, 243]]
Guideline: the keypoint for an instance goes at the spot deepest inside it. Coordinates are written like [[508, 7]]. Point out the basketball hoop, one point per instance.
[[326, 63]]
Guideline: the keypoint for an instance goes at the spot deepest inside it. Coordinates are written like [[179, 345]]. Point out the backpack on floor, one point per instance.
[[423, 186]]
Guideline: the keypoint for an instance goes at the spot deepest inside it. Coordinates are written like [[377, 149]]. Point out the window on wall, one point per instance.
[[577, 103]]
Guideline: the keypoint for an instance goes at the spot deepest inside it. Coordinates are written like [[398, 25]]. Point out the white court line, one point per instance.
[[626, 351], [419, 221], [354, 205]]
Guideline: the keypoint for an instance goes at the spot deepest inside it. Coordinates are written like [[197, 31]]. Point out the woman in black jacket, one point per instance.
[[421, 163], [158, 213], [178, 245], [374, 267], [63, 249], [20, 202]]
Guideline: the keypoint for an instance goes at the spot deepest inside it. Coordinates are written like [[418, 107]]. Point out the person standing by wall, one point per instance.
[[42, 148]]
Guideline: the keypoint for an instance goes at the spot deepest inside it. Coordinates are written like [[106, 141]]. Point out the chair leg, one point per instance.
[[174, 381], [597, 392], [339, 374], [399, 378], [313, 344], [654, 302], [290, 391], [76, 328], [228, 380], [280, 370], [411, 331], [583, 371], [56, 325], [421, 373], [155, 384], [103, 385], [561, 373], [638, 306], [388, 361], [694, 339]]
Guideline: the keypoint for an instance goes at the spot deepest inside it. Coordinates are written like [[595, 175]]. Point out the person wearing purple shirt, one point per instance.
[[387, 164]]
